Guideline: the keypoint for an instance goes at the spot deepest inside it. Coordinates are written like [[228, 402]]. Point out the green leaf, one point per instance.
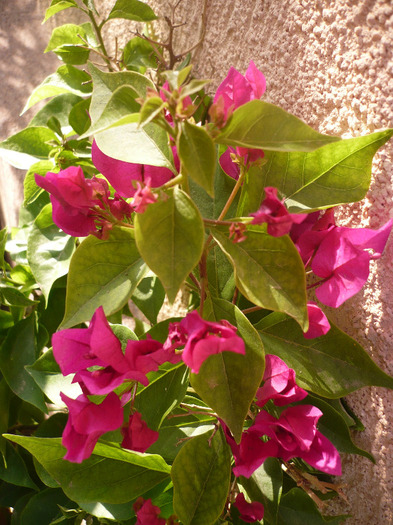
[[46, 373], [265, 486], [110, 475], [335, 174], [49, 250], [198, 155], [79, 117], [227, 381], [259, 124], [17, 351], [3, 240], [152, 107], [220, 274], [58, 5], [331, 366], [31, 190], [201, 475], [297, 508], [139, 53], [132, 10], [102, 273], [149, 297], [67, 41], [162, 394], [5, 398], [13, 297], [170, 236], [67, 79], [43, 507], [105, 84], [268, 271], [333, 426], [58, 107], [27, 147], [13, 469]]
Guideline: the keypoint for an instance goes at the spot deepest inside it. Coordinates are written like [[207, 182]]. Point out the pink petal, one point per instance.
[[137, 435], [252, 453], [318, 322], [227, 165], [256, 79], [323, 456], [249, 512], [147, 513]]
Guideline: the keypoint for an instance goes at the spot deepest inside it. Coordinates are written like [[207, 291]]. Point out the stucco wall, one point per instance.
[[330, 63]]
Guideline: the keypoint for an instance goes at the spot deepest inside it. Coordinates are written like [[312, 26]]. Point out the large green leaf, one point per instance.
[[162, 394], [67, 79], [110, 475], [14, 470], [170, 236], [27, 147], [201, 474], [49, 250], [69, 43], [335, 174], [332, 365], [102, 273], [132, 10], [259, 124], [198, 155], [228, 381], [268, 271], [17, 351], [265, 486], [43, 507], [149, 297]]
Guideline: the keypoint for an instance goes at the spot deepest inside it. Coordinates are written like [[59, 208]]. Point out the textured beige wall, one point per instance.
[[330, 63]]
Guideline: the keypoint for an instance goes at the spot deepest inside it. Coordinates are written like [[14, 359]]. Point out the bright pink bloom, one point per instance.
[[147, 513], [237, 89], [249, 512], [137, 435], [122, 174], [249, 156], [73, 198], [342, 260], [279, 384], [87, 422], [274, 213], [203, 339], [143, 197], [318, 322], [251, 453]]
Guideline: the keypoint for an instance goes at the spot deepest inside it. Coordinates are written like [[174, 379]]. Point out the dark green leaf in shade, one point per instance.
[[67, 79], [58, 5], [331, 366], [31, 190], [49, 250], [228, 381], [149, 297], [335, 174], [164, 392], [17, 351], [132, 10], [14, 470], [198, 155], [69, 42], [201, 476], [79, 118], [27, 147], [102, 273], [333, 426], [268, 271], [297, 508], [220, 274], [5, 398], [11, 296], [43, 507], [110, 475], [259, 124], [169, 236], [139, 53], [265, 486]]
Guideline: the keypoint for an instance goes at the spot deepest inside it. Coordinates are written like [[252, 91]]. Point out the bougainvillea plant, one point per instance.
[[140, 187]]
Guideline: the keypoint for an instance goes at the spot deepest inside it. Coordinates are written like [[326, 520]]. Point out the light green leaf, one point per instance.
[[268, 271], [67, 79], [58, 107], [138, 53], [102, 273], [198, 155], [3, 240], [149, 297], [228, 381], [335, 174], [132, 10], [169, 236], [67, 41], [58, 5], [110, 475], [17, 351], [49, 250], [201, 475], [31, 190], [259, 124], [331, 366], [27, 147], [11, 296], [79, 118]]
